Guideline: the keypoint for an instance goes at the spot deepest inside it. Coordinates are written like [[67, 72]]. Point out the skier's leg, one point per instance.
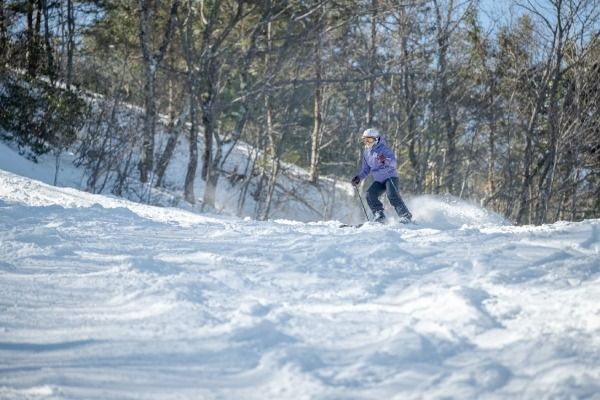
[[392, 186], [373, 193]]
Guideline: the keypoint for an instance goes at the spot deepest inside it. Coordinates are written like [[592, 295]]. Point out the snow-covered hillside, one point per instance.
[[101, 298]]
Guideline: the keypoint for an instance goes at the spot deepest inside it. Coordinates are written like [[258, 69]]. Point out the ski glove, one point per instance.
[[355, 181], [381, 158]]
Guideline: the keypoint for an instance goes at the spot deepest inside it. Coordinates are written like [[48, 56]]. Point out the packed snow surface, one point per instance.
[[101, 298]]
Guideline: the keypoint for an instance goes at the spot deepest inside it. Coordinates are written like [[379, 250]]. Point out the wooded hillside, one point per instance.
[[503, 112]]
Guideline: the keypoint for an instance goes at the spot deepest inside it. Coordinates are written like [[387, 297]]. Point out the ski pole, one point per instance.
[[361, 202], [394, 185]]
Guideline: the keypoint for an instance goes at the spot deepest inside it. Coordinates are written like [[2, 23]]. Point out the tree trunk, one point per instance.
[[525, 206], [409, 107], [190, 175], [212, 151], [70, 42], [211, 74], [175, 129], [187, 41], [210, 177], [371, 65], [271, 188], [147, 151], [491, 184], [3, 33], [174, 126], [317, 113], [49, 54], [248, 174], [527, 177], [574, 185], [38, 34], [553, 129], [57, 153], [151, 63], [274, 157], [31, 56], [443, 37], [123, 174]]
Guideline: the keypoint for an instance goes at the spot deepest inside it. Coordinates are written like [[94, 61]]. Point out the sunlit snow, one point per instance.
[[102, 298]]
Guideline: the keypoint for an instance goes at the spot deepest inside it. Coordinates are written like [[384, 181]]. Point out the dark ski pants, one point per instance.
[[390, 186]]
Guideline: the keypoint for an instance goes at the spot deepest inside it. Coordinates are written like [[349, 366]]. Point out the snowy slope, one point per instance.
[[101, 298], [295, 197]]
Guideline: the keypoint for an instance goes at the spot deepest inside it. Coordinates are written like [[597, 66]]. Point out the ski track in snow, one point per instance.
[[103, 298]]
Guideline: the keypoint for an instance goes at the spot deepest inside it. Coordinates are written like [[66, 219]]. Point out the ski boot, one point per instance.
[[379, 216], [405, 218]]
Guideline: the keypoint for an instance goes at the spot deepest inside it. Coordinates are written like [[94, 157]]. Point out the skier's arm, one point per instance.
[[388, 158]]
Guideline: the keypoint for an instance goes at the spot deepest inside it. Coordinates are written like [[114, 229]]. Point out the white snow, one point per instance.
[[102, 298]]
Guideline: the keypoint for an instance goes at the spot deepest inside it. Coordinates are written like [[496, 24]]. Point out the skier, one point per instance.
[[379, 160]]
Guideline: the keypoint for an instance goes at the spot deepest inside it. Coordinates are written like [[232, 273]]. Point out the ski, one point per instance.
[[351, 225], [397, 225]]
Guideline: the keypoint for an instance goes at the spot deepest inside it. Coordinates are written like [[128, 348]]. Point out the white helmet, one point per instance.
[[371, 132]]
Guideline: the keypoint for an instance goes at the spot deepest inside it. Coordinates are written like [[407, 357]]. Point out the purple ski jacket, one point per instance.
[[381, 172]]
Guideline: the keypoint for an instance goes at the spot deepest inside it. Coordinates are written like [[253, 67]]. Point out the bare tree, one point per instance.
[[152, 60], [3, 32], [210, 64], [33, 10], [70, 42], [371, 63], [50, 68], [318, 95], [445, 103], [187, 39]]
